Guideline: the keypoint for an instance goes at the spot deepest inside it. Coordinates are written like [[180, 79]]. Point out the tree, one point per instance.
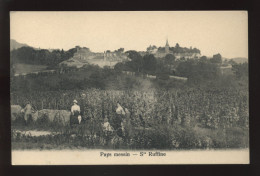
[[161, 49], [121, 50], [232, 62], [160, 67], [198, 71], [186, 68], [29, 55], [206, 71], [136, 62], [169, 59], [119, 66], [23, 55], [240, 70], [195, 50], [149, 63], [150, 48], [203, 58]]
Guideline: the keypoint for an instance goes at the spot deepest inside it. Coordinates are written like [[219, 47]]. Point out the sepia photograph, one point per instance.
[[129, 87]]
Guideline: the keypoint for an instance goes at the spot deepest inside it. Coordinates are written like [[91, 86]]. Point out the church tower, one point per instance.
[[167, 46]]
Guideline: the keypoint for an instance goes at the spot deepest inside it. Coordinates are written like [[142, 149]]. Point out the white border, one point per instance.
[[92, 157]]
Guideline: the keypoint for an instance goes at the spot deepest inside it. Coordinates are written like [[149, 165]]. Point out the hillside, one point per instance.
[[74, 62], [28, 68], [83, 56], [15, 45], [95, 60], [240, 60]]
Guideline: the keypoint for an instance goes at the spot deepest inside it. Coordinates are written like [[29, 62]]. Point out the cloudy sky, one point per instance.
[[223, 32]]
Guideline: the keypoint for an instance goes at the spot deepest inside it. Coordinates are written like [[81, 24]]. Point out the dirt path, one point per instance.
[[35, 132]]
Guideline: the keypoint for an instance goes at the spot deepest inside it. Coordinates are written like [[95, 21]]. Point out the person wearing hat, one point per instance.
[[75, 113], [27, 111], [120, 113], [108, 131]]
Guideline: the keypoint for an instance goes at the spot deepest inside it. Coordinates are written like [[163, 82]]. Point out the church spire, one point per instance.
[[167, 46]]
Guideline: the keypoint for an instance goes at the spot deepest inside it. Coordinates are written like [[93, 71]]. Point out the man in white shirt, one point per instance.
[[27, 112], [119, 109], [108, 131], [120, 113]]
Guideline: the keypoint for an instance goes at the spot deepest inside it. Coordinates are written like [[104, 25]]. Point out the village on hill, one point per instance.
[[51, 60], [164, 62], [109, 58]]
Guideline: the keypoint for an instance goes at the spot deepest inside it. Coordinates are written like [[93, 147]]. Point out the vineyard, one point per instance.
[[188, 118]]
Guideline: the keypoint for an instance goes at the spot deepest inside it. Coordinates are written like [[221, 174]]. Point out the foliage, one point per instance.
[[40, 57], [211, 107], [198, 70], [166, 115], [150, 48], [169, 59], [240, 70], [172, 137], [149, 63], [69, 78], [136, 61]]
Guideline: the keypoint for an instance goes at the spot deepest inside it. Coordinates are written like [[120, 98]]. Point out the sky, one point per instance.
[[224, 32]]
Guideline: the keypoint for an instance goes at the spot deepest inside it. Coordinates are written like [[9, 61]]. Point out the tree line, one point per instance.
[[30, 55], [202, 68]]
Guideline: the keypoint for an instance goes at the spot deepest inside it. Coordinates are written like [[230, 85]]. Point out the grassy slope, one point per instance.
[[28, 68]]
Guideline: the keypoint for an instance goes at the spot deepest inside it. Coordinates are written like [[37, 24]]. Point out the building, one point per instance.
[[177, 51], [163, 52]]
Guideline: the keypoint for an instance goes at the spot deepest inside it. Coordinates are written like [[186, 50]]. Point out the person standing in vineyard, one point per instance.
[[118, 120], [126, 123], [75, 113], [27, 112]]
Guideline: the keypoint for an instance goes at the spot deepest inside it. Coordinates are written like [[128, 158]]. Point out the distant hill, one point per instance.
[[240, 60], [15, 45]]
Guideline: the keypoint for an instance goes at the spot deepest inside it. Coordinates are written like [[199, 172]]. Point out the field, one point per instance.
[[28, 68], [102, 63], [80, 63], [188, 118]]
